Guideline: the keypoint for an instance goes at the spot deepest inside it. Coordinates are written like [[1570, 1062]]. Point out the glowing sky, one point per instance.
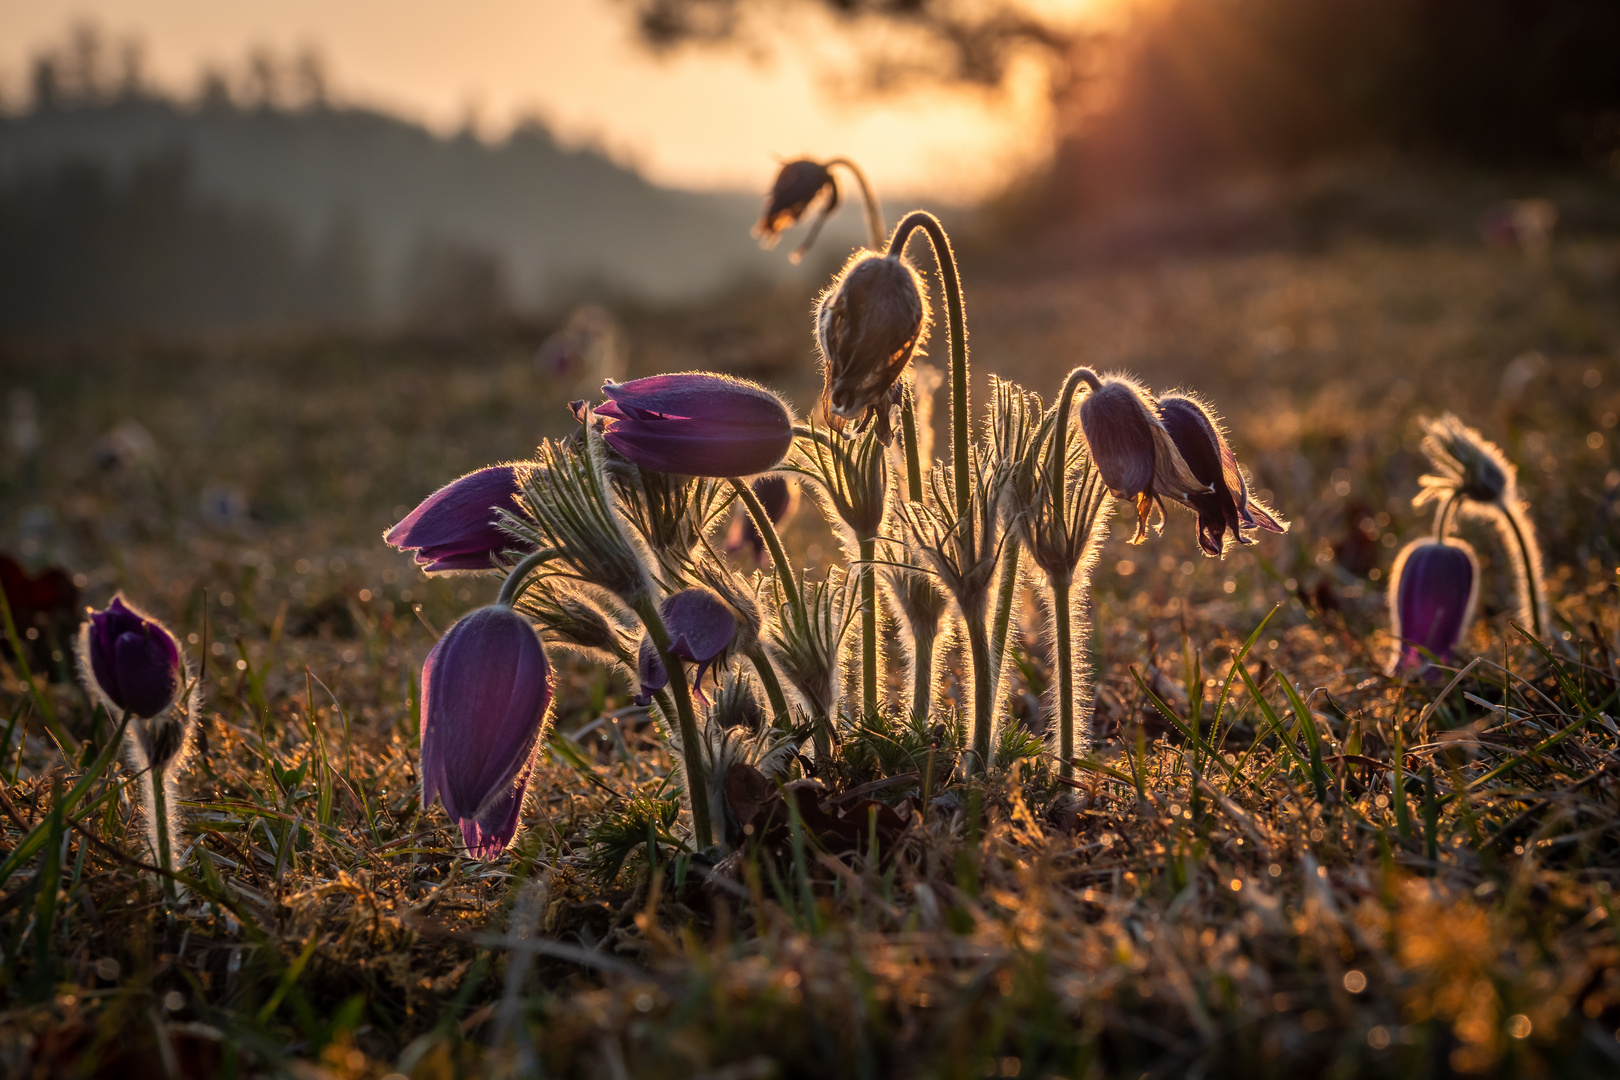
[[698, 119]]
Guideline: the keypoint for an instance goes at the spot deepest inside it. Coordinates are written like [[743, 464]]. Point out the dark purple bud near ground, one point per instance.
[[1227, 508], [486, 689], [133, 659], [1432, 592], [696, 424], [798, 184], [456, 527], [701, 628], [869, 325], [1132, 450]]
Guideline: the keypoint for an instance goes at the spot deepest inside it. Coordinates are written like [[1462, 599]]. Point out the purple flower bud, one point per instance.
[[1132, 450], [869, 325], [486, 690], [1432, 591], [132, 659], [701, 628], [1227, 507], [798, 184], [779, 498], [697, 424], [455, 528]]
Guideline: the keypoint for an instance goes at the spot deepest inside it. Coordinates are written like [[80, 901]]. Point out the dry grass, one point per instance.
[[1259, 913]]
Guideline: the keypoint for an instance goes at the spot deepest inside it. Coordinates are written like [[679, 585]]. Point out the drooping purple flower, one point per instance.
[[1227, 508], [456, 528], [701, 628], [696, 424], [1132, 450], [778, 498], [1432, 592], [486, 689], [133, 659], [798, 184]]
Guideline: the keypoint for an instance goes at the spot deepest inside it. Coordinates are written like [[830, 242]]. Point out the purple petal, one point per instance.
[[1434, 592], [456, 527], [697, 424], [486, 688], [134, 659], [650, 672], [487, 833], [700, 625]]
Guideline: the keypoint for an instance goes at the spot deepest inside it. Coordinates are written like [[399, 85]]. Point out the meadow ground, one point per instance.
[[1271, 913]]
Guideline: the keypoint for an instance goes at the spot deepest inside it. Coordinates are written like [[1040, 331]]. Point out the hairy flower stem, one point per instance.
[[513, 586], [922, 676], [984, 694], [1004, 602], [957, 322], [160, 827], [1531, 597], [773, 542], [773, 687], [908, 434], [691, 747], [1061, 588], [874, 212], [869, 642]]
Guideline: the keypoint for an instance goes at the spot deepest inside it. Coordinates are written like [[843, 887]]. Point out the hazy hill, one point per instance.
[[383, 203]]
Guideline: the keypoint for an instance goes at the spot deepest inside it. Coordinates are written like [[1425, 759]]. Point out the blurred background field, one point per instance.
[[242, 335]]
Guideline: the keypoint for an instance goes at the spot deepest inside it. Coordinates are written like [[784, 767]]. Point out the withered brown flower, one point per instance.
[[869, 324]]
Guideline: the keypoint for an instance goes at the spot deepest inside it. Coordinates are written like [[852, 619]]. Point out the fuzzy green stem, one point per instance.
[[1061, 588], [983, 694], [773, 542], [1004, 602], [686, 719], [1442, 524], [908, 434], [874, 212], [1532, 597], [869, 642], [160, 828], [512, 587], [957, 322], [922, 676], [773, 686]]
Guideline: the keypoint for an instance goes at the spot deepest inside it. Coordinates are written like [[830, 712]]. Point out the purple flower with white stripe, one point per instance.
[[696, 424], [486, 693]]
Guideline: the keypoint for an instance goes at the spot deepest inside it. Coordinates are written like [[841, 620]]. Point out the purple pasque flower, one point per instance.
[[778, 498], [1227, 508], [1432, 591], [132, 659], [1132, 450], [701, 628], [457, 527], [696, 424], [486, 691]]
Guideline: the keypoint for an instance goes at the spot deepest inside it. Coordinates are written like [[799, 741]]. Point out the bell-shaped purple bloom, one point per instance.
[[486, 689], [1227, 508], [456, 528], [1132, 450], [778, 498], [701, 628], [1432, 592], [133, 659], [697, 424]]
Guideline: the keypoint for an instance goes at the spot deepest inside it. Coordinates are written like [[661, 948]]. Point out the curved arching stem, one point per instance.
[[956, 320], [1532, 596], [512, 587], [875, 231], [1442, 523], [773, 542]]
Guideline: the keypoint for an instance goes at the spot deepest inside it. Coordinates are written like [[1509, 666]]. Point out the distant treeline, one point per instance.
[[1202, 86], [88, 249]]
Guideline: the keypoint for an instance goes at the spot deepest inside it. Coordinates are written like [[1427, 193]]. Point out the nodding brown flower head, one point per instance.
[[457, 527], [133, 663], [1431, 597], [1227, 509], [701, 628], [696, 424], [486, 693], [869, 324], [1467, 464], [1132, 450], [779, 499], [798, 184]]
